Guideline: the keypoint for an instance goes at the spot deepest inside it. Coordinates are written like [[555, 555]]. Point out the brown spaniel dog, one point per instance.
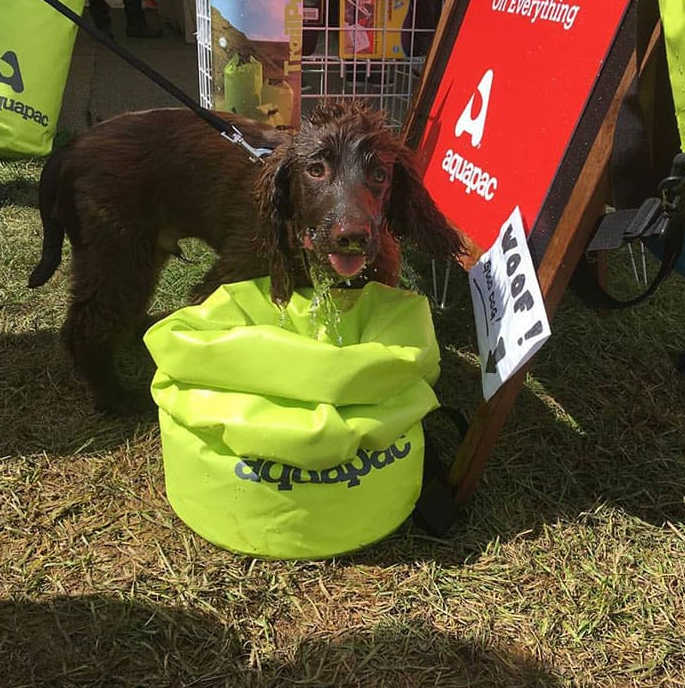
[[330, 201]]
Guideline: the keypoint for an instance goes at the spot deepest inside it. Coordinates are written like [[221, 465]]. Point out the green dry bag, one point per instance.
[[281, 443], [36, 43], [673, 22]]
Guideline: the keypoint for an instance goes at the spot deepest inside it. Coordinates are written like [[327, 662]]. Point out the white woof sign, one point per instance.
[[511, 321]]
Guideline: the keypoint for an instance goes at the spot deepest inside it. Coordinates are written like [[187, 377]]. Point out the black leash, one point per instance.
[[227, 130]]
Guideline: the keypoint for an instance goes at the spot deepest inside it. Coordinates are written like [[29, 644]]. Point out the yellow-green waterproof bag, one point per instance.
[[673, 24], [36, 43], [284, 438]]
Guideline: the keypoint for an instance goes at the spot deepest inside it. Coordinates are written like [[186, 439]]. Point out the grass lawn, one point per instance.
[[567, 568]]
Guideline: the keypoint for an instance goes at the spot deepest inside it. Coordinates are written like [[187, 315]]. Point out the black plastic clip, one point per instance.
[[236, 137], [672, 189]]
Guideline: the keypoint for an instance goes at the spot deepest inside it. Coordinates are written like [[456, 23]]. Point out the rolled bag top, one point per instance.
[[269, 382]]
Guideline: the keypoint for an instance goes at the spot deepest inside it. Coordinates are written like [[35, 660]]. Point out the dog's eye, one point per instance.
[[316, 170], [379, 175]]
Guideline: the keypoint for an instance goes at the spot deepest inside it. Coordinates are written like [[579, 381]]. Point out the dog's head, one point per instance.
[[329, 194]]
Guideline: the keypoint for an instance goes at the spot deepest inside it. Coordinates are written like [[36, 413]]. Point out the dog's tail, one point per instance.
[[53, 228]]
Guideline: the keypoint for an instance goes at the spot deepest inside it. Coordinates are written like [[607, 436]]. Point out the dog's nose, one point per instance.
[[350, 239]]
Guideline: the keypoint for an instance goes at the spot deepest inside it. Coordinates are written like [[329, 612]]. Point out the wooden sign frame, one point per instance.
[[575, 201]]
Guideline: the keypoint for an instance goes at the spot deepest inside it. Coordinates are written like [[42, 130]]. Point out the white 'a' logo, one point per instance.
[[475, 125]]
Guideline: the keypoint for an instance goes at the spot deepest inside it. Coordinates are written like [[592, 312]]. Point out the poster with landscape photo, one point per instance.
[[256, 59]]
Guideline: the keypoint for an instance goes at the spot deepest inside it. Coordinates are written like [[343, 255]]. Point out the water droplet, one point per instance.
[[283, 317], [324, 311]]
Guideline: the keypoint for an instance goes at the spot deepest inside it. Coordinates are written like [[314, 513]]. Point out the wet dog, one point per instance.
[[330, 200]]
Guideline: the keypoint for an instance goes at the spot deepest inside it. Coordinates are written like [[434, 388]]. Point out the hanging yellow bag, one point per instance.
[[36, 43]]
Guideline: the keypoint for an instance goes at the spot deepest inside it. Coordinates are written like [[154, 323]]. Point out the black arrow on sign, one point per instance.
[[494, 357]]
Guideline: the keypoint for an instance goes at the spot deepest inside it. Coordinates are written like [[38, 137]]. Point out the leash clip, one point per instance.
[[256, 154]]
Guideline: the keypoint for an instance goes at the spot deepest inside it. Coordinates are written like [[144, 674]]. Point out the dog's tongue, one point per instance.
[[347, 264]]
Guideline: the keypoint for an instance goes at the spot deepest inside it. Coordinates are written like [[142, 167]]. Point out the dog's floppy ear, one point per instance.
[[413, 215], [276, 212]]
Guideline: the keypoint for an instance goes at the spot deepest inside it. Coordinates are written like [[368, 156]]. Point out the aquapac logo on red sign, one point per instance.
[[513, 90]]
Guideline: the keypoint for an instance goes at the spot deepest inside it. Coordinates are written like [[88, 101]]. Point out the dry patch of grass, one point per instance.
[[567, 568]]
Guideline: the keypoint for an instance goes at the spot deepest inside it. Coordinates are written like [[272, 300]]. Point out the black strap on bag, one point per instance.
[[644, 160], [436, 511]]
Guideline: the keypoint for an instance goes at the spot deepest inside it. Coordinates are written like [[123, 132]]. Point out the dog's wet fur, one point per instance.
[[332, 199]]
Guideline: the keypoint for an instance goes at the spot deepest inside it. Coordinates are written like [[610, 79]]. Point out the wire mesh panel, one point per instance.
[[204, 51], [371, 49]]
